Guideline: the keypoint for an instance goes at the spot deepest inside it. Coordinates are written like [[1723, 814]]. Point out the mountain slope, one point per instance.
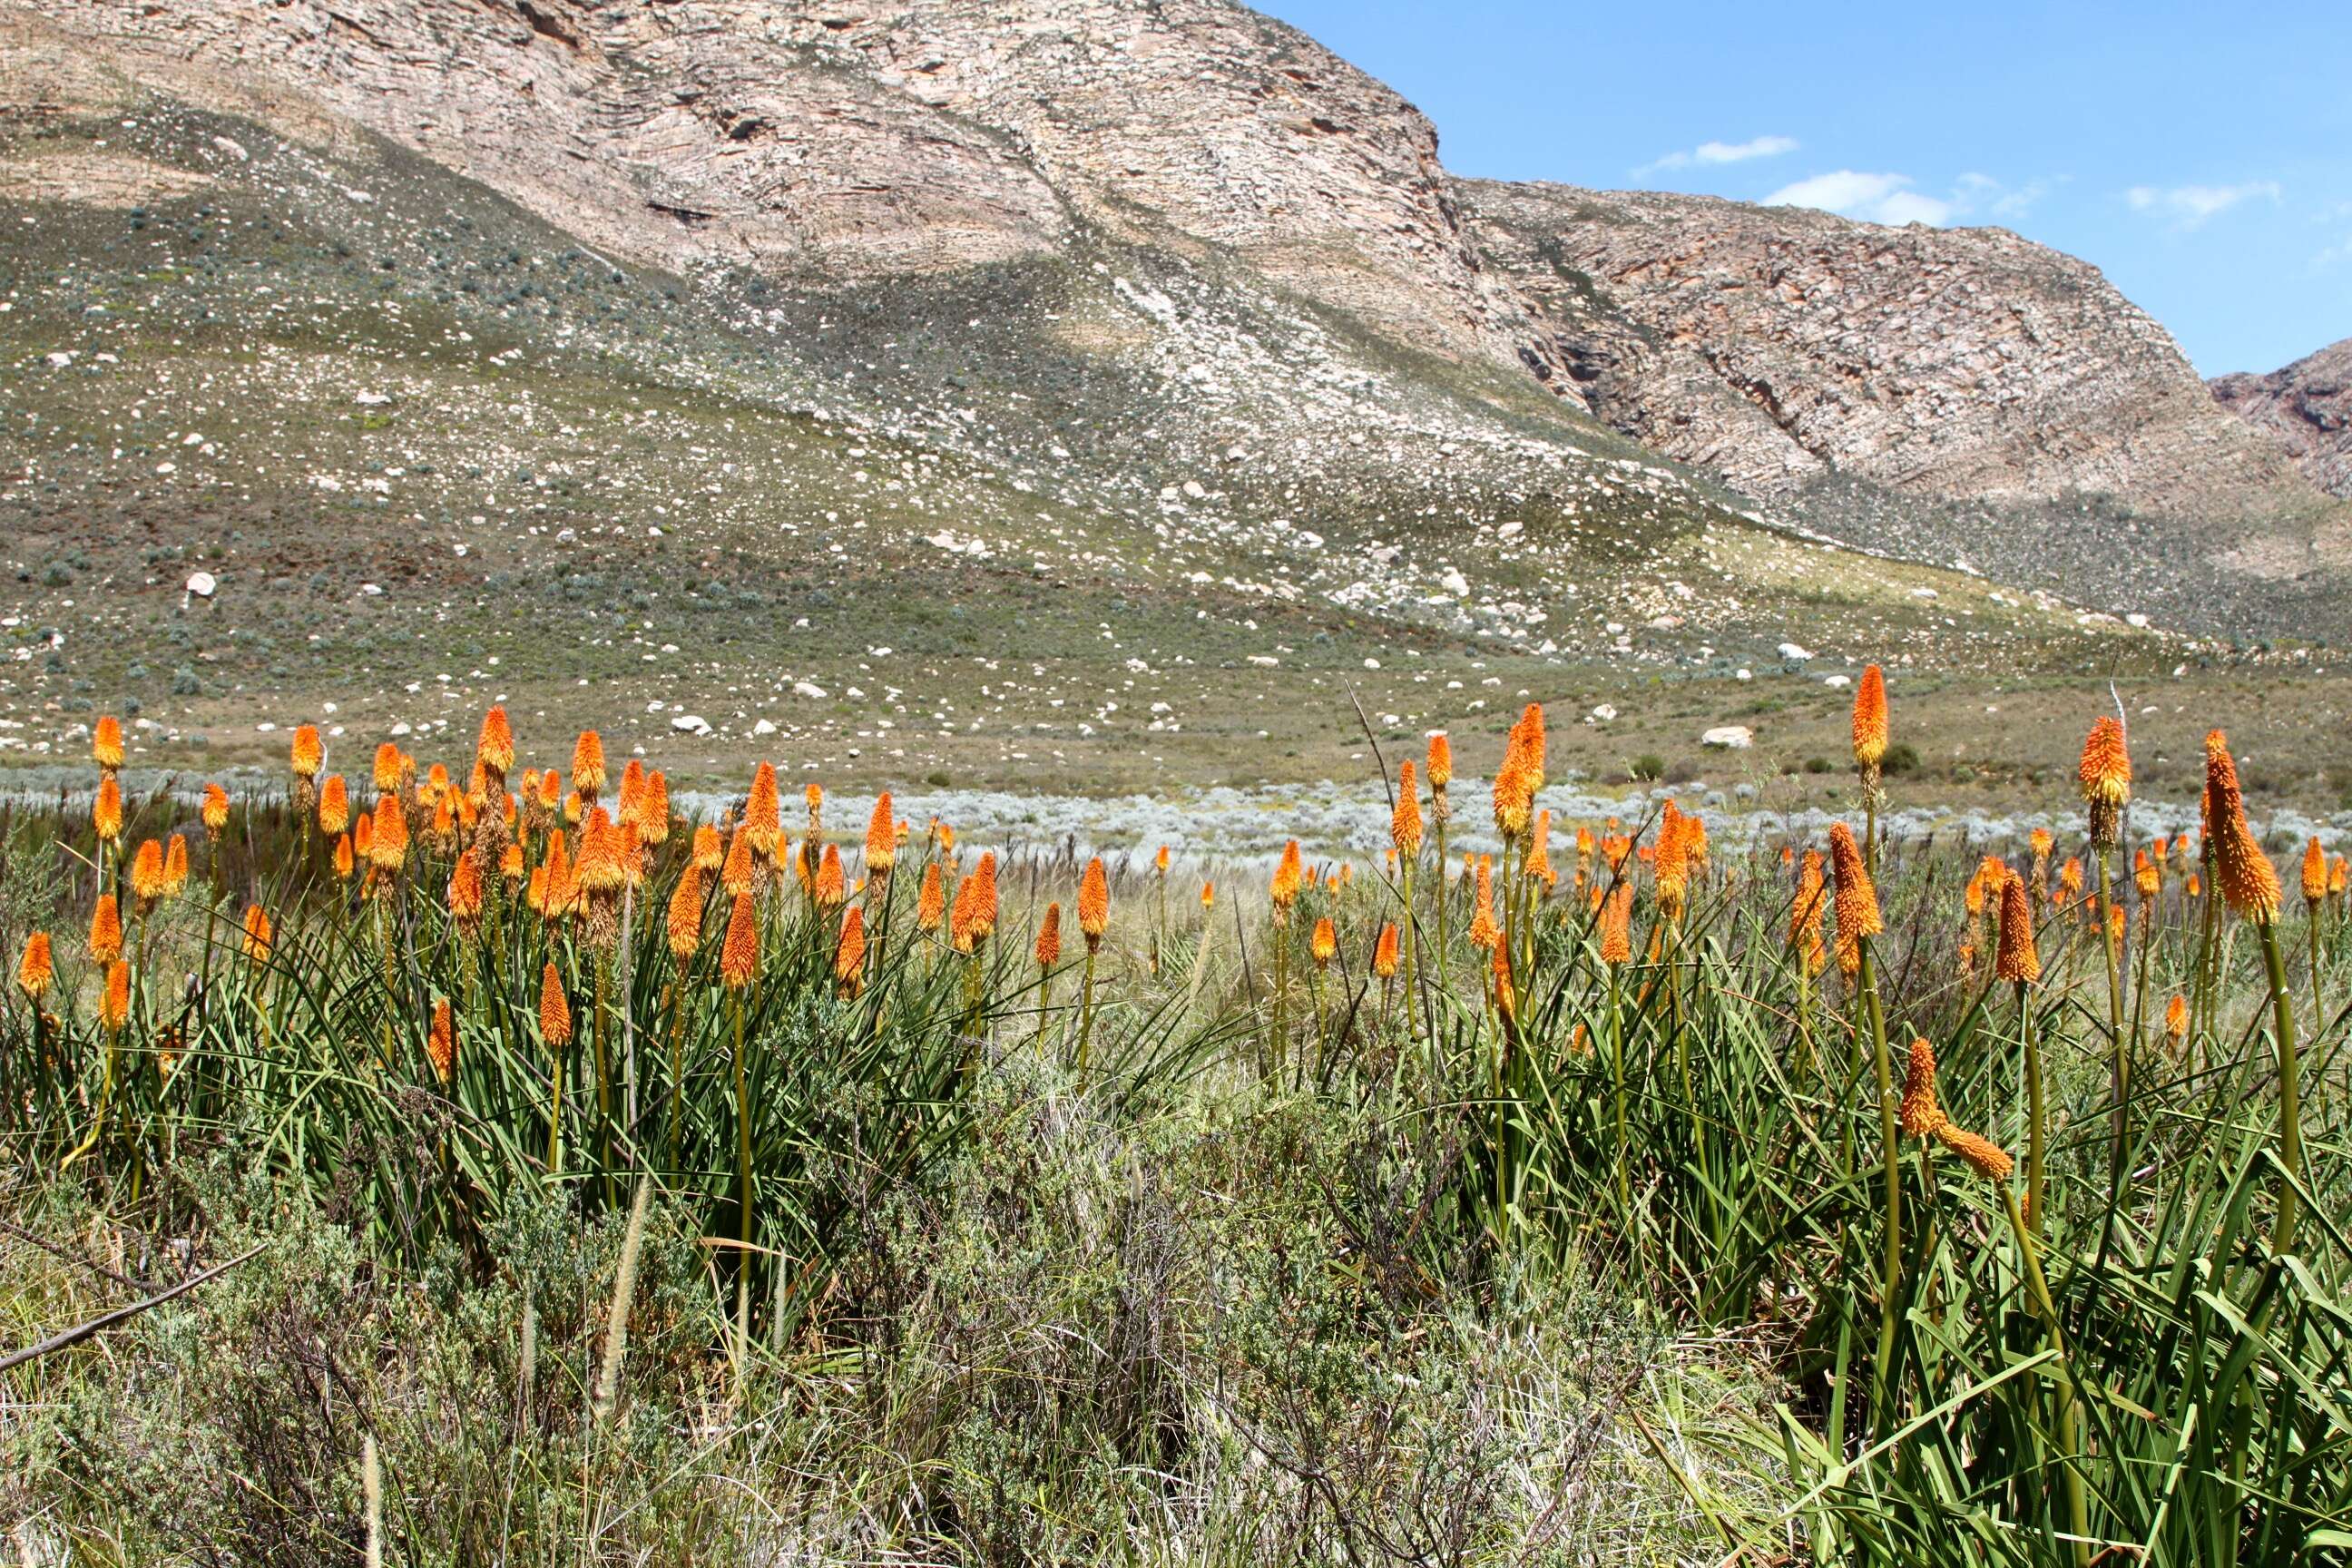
[[2307, 407]]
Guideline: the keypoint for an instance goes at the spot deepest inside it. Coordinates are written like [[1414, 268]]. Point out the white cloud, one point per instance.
[[2189, 205], [1722, 152], [1878, 198]]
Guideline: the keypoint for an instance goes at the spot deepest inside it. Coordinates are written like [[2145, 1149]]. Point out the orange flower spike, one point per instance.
[[306, 754], [1288, 875], [147, 872], [984, 899], [36, 971], [1484, 930], [441, 1041], [1093, 904], [106, 811], [2315, 873], [849, 952], [1441, 760], [1921, 1116], [881, 836], [2016, 958], [106, 929], [709, 851], [1538, 858], [1208, 896], [175, 866], [588, 765], [335, 806], [345, 861], [739, 952], [1617, 926], [599, 869], [386, 771], [1405, 822], [494, 748], [215, 810], [1980, 1153], [1160, 861], [1048, 950], [466, 892], [1325, 943], [1856, 902], [633, 789], [551, 790], [2160, 847], [257, 937], [114, 1007], [735, 874], [685, 922], [106, 742], [1810, 907], [554, 1009], [931, 907], [2145, 877], [2244, 874], [1870, 719], [2176, 1019], [1384, 951], [2106, 772], [388, 843], [830, 888], [652, 811], [2337, 870], [511, 865], [764, 816]]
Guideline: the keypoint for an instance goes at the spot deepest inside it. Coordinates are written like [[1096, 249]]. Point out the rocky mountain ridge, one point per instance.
[[1140, 242]]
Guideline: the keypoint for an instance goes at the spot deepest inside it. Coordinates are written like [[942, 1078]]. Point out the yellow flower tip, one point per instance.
[[106, 929], [1325, 943], [1094, 903], [1404, 821], [441, 1041], [114, 1006], [1049, 937], [256, 936], [306, 753], [2106, 772], [1921, 1115], [36, 971], [2248, 881], [1981, 1155], [106, 742], [588, 765], [554, 1009], [881, 836], [1384, 951], [1870, 719]]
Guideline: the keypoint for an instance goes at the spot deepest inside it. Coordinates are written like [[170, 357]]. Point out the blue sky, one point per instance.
[[2200, 156]]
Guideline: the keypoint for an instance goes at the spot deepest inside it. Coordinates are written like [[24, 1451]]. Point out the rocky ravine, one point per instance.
[[2307, 407], [1863, 380]]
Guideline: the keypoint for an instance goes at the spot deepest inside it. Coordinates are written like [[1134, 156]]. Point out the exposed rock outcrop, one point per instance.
[[2307, 406]]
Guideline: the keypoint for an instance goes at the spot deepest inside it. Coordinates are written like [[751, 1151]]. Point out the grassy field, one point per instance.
[[600, 1184]]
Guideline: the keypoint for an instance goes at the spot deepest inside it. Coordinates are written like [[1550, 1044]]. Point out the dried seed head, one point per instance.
[[1094, 903], [2244, 874], [1870, 719], [36, 971], [554, 1009]]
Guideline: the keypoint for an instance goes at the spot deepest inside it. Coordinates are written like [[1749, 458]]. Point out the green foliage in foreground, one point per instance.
[[1299, 1264]]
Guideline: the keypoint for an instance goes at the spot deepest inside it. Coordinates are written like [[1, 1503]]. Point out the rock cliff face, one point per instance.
[[1778, 343], [2307, 407]]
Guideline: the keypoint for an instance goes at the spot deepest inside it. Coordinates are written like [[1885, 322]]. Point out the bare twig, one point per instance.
[[105, 1320]]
